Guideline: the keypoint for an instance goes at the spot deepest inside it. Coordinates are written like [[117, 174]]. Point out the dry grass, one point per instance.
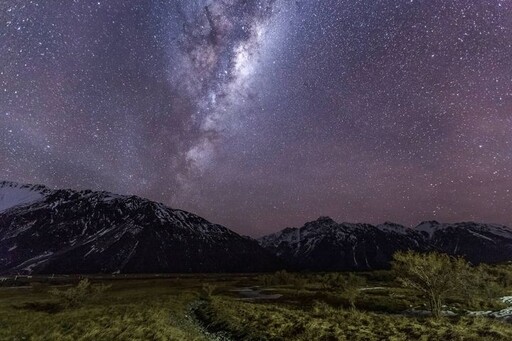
[[159, 309]]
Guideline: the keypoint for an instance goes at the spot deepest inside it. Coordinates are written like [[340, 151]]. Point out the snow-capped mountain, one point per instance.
[[67, 231], [477, 242], [326, 245]]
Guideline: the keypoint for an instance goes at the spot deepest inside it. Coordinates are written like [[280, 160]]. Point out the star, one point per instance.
[[368, 112]]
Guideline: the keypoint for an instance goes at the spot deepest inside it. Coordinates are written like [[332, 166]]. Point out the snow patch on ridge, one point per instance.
[[394, 228], [480, 235], [12, 194]]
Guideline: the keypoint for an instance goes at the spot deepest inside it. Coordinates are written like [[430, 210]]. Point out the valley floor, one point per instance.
[[228, 307]]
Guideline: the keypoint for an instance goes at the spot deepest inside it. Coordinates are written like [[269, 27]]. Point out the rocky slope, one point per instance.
[[326, 245], [67, 231]]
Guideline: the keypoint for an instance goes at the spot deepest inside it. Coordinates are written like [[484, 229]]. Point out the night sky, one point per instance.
[[262, 114]]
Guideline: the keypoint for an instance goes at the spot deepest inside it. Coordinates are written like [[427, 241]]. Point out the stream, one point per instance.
[[255, 293]]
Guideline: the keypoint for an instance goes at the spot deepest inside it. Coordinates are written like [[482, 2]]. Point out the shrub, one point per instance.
[[321, 308], [432, 274], [383, 276], [207, 291], [283, 277], [266, 280], [39, 287], [331, 281], [300, 283], [481, 288], [351, 286], [76, 296], [502, 274]]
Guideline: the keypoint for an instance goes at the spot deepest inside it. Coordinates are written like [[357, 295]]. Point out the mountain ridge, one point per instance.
[[324, 244], [69, 231]]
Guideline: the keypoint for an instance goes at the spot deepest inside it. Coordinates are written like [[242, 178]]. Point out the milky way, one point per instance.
[[262, 114]]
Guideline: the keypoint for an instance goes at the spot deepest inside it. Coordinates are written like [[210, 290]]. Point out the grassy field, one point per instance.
[[128, 310], [208, 307]]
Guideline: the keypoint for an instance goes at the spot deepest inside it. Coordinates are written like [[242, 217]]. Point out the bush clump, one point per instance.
[[434, 275], [78, 295], [207, 291]]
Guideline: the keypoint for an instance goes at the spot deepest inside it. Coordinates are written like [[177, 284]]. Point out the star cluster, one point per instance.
[[261, 114]]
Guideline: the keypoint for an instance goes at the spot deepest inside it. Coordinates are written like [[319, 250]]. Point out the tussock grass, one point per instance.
[[313, 307], [269, 321], [129, 310]]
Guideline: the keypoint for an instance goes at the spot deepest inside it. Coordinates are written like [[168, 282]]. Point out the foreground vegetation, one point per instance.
[[268, 321], [128, 310], [378, 305]]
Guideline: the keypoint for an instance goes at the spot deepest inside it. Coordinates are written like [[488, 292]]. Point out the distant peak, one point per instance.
[[390, 223], [322, 220], [325, 219], [429, 222]]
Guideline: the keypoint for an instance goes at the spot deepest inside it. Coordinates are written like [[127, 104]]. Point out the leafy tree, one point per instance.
[[434, 275]]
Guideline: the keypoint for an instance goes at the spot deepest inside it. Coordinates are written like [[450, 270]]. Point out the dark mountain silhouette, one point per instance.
[[67, 231]]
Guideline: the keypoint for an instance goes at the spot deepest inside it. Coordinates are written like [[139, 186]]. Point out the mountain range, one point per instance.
[[327, 245], [47, 231]]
